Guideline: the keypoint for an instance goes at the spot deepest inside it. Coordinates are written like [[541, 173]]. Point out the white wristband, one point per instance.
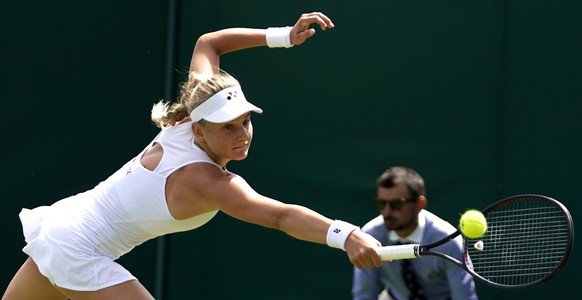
[[338, 233], [279, 37]]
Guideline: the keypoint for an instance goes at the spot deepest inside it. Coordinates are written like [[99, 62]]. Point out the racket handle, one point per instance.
[[399, 252]]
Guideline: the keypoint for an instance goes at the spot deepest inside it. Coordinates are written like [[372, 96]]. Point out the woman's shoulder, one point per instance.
[[207, 176]]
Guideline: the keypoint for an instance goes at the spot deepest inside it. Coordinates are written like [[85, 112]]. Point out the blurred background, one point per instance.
[[481, 97]]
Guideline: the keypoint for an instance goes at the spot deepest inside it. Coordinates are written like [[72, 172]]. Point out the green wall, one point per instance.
[[482, 97]]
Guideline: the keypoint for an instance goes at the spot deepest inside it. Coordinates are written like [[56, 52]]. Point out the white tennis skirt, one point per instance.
[[63, 255]]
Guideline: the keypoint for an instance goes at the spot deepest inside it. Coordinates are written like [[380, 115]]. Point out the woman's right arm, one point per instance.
[[233, 196]]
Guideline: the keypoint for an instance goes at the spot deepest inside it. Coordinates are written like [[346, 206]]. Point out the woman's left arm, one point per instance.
[[210, 46]]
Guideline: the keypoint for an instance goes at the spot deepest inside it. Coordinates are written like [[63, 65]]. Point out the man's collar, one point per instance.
[[415, 237]]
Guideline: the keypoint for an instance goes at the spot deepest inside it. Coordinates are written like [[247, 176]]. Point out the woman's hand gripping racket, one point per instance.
[[527, 243]]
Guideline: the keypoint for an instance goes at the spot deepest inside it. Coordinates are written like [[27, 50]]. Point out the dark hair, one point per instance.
[[400, 174]]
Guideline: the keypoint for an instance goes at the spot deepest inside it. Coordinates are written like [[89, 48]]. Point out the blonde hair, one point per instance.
[[193, 92]]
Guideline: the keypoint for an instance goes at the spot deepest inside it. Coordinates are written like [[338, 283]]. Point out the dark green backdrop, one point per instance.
[[482, 97]]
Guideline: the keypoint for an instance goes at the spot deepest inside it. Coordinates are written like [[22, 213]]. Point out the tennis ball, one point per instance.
[[473, 224]]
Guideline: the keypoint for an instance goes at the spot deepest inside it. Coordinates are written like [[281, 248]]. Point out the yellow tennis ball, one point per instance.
[[473, 224]]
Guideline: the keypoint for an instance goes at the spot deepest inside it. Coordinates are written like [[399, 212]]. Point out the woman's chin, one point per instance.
[[240, 156]]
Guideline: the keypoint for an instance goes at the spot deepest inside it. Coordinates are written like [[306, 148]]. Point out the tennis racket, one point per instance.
[[528, 241]]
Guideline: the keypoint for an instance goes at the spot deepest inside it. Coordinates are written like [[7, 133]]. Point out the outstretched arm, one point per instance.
[[210, 46], [235, 197]]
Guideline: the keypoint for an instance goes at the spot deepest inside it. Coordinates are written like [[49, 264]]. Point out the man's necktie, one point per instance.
[[416, 292], [409, 276]]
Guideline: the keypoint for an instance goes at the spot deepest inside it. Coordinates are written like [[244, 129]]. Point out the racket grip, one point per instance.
[[399, 252]]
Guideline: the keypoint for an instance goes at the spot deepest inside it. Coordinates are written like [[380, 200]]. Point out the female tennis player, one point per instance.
[[177, 183]]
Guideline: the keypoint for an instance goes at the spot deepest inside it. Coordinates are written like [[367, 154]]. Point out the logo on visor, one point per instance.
[[232, 94]]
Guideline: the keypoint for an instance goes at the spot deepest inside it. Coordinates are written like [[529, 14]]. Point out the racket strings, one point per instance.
[[525, 242]]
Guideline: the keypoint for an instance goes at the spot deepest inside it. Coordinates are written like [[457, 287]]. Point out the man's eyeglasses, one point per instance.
[[396, 204]]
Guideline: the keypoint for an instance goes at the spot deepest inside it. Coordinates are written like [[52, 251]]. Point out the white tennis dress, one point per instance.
[[76, 240]]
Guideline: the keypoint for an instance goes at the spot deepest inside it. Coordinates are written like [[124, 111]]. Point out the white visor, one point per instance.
[[224, 106]]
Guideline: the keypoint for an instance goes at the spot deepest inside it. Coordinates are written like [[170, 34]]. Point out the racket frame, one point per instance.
[[417, 250]]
